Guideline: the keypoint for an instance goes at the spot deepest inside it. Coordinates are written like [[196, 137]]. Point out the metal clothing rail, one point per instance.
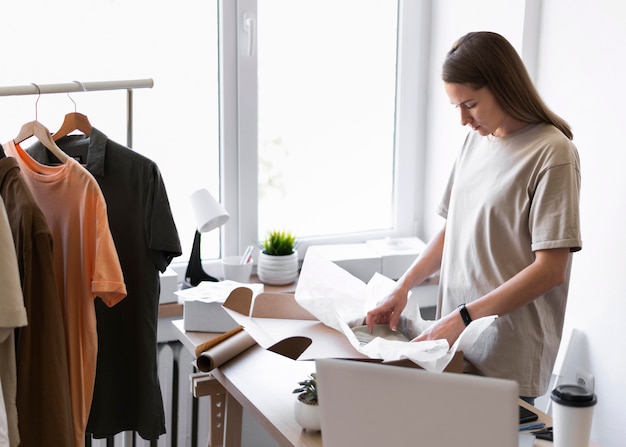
[[77, 86]]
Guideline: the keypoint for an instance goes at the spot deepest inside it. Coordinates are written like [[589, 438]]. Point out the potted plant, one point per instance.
[[278, 259], [306, 409]]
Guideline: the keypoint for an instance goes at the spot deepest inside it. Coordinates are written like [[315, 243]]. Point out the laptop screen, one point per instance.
[[370, 404]]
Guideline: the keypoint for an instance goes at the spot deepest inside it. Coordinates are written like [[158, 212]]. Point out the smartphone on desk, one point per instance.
[[526, 415]]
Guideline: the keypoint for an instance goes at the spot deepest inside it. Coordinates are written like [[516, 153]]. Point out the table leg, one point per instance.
[[234, 415], [203, 384]]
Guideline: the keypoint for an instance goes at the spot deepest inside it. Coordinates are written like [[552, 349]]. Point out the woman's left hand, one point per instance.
[[448, 327]]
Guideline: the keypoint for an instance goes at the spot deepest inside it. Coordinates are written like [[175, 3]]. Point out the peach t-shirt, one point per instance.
[[85, 260]]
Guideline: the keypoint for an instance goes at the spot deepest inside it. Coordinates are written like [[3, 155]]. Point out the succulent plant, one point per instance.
[[307, 391], [279, 243]]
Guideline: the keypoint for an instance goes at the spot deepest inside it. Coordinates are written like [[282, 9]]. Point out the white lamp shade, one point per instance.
[[209, 213]]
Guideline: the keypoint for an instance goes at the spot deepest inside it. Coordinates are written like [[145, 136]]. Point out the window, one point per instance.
[[328, 136], [326, 115], [176, 123], [300, 115]]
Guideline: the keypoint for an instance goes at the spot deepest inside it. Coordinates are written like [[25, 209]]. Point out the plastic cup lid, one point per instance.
[[573, 396]]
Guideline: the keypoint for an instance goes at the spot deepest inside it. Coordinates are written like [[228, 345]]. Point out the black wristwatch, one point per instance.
[[465, 314]]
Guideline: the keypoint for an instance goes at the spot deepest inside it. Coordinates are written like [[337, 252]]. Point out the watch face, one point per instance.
[[465, 314]]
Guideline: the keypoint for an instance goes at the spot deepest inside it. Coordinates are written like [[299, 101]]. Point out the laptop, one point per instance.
[[369, 404]]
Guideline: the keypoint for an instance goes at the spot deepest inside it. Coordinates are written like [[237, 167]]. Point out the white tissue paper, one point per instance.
[[341, 301]]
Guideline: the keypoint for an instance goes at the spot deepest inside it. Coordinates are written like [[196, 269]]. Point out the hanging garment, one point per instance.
[[127, 392], [43, 389], [12, 315], [4, 424], [86, 264]]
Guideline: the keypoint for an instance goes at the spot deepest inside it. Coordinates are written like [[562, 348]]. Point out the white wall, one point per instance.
[[581, 74]]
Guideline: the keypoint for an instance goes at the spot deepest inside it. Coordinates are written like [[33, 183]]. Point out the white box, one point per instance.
[[397, 254], [360, 260], [204, 316], [202, 305], [169, 286]]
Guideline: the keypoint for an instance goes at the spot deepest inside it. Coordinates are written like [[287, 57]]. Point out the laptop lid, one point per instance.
[[370, 404]]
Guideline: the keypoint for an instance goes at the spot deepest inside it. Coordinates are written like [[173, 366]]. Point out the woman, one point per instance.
[[512, 220]]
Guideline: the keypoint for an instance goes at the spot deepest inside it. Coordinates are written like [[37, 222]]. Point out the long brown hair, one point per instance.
[[486, 59]]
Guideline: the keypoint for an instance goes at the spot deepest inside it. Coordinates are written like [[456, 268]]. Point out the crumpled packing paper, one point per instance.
[[341, 301]]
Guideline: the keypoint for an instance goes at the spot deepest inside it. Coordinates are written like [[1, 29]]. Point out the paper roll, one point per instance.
[[225, 349]]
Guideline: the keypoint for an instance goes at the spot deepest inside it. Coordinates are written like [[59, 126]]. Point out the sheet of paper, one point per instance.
[[341, 301], [210, 291]]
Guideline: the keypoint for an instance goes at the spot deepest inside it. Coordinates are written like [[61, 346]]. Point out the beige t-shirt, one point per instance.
[[506, 198]]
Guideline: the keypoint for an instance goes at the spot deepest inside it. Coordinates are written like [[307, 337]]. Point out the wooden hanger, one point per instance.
[[36, 129], [73, 121]]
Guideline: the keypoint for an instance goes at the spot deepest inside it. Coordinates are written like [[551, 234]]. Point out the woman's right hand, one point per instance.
[[428, 262], [388, 311]]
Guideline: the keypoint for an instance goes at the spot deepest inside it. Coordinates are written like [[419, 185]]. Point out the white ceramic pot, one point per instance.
[[277, 270], [307, 415]]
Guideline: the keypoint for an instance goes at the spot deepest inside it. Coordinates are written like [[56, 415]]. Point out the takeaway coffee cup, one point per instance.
[[572, 413], [235, 270]]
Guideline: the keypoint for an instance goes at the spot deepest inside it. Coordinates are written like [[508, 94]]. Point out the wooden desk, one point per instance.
[[265, 390], [262, 382]]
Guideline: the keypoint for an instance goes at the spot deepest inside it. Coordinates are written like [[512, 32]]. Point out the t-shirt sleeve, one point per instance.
[[162, 234], [554, 219], [108, 279]]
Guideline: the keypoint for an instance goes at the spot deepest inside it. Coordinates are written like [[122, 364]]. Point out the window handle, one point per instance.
[[250, 29]]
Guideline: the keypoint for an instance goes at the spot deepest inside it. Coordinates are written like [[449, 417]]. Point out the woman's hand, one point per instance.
[[388, 312], [427, 263], [448, 328]]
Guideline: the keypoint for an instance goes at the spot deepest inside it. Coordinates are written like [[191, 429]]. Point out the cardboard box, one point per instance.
[[278, 323]]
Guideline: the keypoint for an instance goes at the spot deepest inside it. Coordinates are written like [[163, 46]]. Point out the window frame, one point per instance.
[[239, 128]]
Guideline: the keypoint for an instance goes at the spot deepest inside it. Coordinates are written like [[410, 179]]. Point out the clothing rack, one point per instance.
[[77, 86]]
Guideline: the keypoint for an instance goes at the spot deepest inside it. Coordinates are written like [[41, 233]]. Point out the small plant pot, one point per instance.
[[277, 270], [307, 415]]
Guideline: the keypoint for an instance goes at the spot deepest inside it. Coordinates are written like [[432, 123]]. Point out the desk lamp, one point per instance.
[[209, 214]]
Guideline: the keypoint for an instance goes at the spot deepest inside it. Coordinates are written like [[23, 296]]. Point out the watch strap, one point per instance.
[[465, 314]]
